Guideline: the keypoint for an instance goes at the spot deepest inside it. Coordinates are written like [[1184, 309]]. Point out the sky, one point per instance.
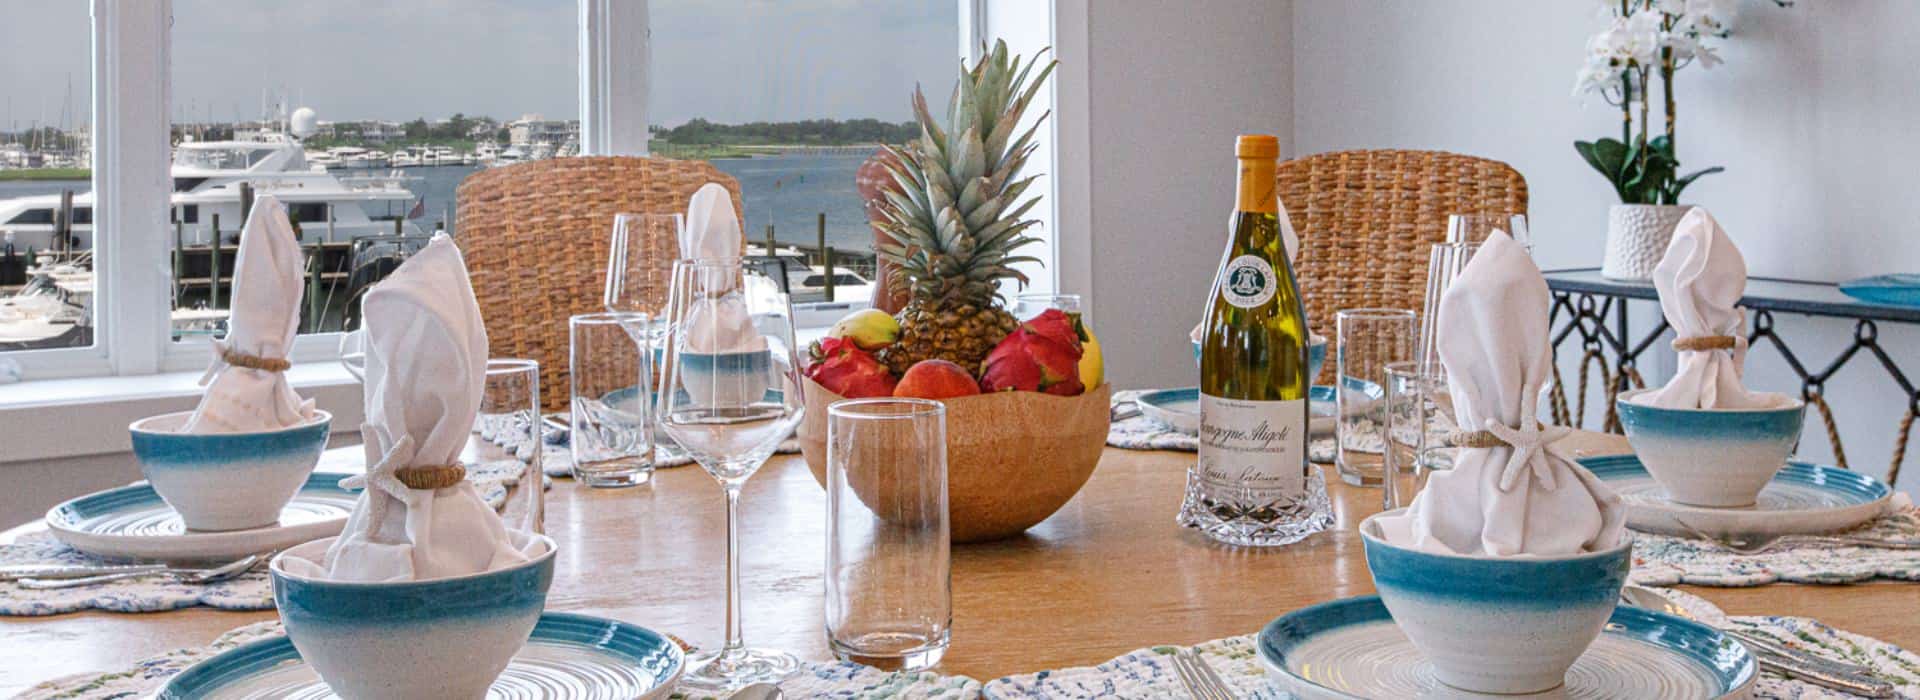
[[725, 60]]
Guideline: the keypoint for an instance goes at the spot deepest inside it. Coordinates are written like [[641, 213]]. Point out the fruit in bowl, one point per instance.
[[1026, 408]]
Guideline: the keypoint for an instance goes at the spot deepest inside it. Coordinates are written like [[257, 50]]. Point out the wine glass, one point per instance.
[[730, 393], [640, 261]]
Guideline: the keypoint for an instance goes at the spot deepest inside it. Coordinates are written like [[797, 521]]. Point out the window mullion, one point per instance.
[[615, 65], [131, 180]]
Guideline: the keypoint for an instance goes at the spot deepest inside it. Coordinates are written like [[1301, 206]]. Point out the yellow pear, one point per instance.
[[1092, 371]]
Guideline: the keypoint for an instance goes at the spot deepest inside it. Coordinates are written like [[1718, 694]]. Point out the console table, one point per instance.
[[1593, 310]]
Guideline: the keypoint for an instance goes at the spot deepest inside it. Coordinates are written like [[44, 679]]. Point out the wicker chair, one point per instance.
[[535, 236], [1366, 220]]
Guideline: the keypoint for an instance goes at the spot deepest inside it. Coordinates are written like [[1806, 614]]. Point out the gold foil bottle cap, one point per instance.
[[1257, 146]]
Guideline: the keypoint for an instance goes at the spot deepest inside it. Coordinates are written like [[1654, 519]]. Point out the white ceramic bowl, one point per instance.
[[227, 481], [440, 638], [1718, 458], [1503, 625]]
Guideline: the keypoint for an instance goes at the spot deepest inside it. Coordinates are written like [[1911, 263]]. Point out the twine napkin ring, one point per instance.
[[427, 478], [1700, 343], [1528, 442], [225, 355]]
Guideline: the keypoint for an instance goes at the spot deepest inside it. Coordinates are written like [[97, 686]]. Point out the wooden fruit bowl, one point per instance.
[[1013, 457]]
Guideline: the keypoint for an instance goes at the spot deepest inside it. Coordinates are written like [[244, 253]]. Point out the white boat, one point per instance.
[[808, 283], [207, 176]]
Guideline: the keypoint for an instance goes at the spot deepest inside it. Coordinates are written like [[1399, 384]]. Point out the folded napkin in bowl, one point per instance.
[[1511, 491], [1700, 279], [426, 366], [246, 383], [718, 321]]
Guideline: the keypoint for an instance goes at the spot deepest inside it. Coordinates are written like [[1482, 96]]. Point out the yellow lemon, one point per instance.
[[1092, 371]]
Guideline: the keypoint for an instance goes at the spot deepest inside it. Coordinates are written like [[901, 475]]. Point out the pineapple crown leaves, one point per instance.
[[956, 218]]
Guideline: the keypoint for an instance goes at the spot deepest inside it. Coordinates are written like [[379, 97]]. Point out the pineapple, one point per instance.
[[952, 227]]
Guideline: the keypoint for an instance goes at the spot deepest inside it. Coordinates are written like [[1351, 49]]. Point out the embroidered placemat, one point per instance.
[[1148, 673], [250, 591], [1665, 561], [817, 679]]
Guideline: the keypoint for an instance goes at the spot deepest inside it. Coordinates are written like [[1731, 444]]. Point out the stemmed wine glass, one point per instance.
[[730, 393], [640, 258]]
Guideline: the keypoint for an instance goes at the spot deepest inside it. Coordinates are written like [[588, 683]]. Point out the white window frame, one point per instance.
[[132, 74]]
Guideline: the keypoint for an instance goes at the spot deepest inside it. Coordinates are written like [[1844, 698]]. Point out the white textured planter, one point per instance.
[[1637, 235]]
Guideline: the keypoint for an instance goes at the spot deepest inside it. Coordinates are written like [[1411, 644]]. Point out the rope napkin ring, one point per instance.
[[427, 478], [1698, 343], [241, 359], [1529, 442]]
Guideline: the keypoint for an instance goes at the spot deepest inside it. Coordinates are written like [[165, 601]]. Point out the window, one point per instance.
[[46, 273], [806, 94], [497, 81], [364, 126]]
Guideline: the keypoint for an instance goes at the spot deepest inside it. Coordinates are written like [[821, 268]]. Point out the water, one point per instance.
[[789, 191]]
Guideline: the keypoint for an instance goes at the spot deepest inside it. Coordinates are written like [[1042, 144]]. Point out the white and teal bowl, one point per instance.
[[1717, 458], [1503, 625], [1316, 353], [725, 378], [227, 481], [439, 638]]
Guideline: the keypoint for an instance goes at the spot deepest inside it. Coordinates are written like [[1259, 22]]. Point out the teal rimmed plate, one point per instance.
[[1899, 289], [572, 657], [1352, 649], [1179, 409], [1802, 499], [131, 522]]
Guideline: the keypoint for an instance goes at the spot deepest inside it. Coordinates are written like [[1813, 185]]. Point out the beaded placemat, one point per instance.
[[250, 591], [1145, 673], [1665, 561]]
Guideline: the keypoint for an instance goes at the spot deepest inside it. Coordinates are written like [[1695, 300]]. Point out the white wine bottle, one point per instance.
[[1252, 484]]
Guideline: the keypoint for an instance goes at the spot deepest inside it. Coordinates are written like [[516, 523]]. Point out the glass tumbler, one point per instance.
[[610, 426], [1419, 417], [1369, 340], [1444, 262], [509, 420], [889, 589]]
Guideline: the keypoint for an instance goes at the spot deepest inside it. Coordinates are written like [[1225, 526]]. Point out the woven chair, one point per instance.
[[536, 234], [1367, 219]]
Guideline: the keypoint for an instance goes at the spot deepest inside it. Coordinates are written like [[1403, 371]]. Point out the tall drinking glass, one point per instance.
[[610, 363], [1419, 417], [510, 416], [1369, 340], [729, 395], [889, 588], [1026, 306], [1444, 262], [1475, 228]]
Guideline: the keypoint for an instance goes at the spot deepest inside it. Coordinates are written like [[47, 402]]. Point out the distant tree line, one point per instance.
[[820, 132]]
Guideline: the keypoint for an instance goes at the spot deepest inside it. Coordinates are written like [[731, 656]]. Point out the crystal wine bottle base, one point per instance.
[[1256, 518]]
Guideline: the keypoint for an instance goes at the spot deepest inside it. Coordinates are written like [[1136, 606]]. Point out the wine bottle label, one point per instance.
[[1254, 444], [1250, 282]]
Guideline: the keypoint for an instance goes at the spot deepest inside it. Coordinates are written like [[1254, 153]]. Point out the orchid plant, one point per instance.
[[1645, 39]]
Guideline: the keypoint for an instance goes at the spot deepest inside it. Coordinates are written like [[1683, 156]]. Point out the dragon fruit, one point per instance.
[[1032, 358], [844, 369]]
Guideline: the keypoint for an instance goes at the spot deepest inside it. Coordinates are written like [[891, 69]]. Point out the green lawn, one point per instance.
[[47, 174]]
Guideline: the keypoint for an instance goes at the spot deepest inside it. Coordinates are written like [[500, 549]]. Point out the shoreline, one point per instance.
[[45, 174]]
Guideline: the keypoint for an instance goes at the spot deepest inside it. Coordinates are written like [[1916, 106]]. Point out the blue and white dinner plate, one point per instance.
[[131, 522], [1352, 649], [1901, 289], [571, 657], [1802, 499], [1179, 409]]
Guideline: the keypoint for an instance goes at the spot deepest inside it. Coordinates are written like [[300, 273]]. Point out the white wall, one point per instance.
[[1170, 85], [1813, 116]]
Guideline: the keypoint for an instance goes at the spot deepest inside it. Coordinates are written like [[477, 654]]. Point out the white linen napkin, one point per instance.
[[268, 284], [1700, 279], [719, 321], [1527, 497], [426, 367]]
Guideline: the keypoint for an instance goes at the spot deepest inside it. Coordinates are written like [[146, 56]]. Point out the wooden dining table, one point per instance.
[[1107, 574]]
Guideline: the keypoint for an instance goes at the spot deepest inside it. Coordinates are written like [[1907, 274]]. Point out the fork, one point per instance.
[[1749, 545], [1201, 681], [223, 572]]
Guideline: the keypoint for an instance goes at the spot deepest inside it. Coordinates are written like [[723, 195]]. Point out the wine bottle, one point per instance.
[[1252, 484]]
